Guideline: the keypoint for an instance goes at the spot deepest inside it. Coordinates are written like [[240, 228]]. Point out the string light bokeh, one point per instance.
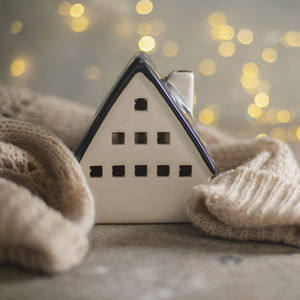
[[245, 55]]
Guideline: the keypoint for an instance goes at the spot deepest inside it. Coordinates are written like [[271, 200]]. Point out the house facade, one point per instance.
[[141, 164]]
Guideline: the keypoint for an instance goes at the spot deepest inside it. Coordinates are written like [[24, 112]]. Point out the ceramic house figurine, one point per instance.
[[142, 154]]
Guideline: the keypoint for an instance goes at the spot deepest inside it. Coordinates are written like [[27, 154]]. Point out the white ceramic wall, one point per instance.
[[150, 199]]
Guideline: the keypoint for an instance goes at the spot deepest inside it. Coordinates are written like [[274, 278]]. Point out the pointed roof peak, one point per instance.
[[141, 62]]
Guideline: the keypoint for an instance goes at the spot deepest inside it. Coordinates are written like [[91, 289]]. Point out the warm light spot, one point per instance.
[[250, 70], [147, 43], [284, 116], [249, 83], [206, 116], [80, 24], [76, 10], [217, 19], [269, 55], [144, 28], [264, 86], [245, 36], [272, 116], [262, 119], [291, 39], [207, 67], [64, 8], [144, 7], [261, 135], [215, 34], [158, 27], [226, 33], [292, 134], [92, 72], [124, 28], [298, 133], [16, 27], [170, 49], [261, 100], [279, 133], [252, 91], [194, 99], [17, 67], [226, 49], [254, 111]]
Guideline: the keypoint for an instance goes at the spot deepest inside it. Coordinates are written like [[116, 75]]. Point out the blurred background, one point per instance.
[[245, 54]]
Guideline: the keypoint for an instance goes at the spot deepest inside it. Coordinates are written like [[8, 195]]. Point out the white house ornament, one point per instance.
[[142, 153]]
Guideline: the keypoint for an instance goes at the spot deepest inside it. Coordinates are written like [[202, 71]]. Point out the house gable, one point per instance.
[[146, 162], [142, 64]]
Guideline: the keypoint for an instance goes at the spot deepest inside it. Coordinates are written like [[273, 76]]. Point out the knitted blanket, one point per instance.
[[46, 207]]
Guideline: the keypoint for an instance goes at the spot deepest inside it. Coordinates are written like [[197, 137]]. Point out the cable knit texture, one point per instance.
[[256, 194], [46, 208]]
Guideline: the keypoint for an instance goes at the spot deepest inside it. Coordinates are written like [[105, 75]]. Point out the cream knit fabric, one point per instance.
[[256, 194], [46, 209]]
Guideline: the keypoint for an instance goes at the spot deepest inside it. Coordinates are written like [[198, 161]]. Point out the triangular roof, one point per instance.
[[142, 63]]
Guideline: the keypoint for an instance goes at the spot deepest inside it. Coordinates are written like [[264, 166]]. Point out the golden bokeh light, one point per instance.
[[261, 135], [284, 116], [279, 133], [264, 86], [226, 49], [16, 27], [92, 72], [76, 10], [124, 28], [144, 7], [80, 24], [17, 67], [217, 19], [291, 39], [292, 134], [144, 28], [245, 36], [298, 133], [64, 8], [249, 83], [262, 100], [170, 49], [207, 67], [206, 116], [147, 43], [250, 70], [254, 111], [269, 55], [226, 33], [262, 119], [272, 116], [158, 27], [195, 99]]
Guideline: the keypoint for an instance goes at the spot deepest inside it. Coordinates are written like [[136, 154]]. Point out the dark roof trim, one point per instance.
[[142, 63]]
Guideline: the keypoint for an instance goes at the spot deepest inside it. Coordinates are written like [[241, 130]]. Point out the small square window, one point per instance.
[[163, 138], [118, 171], [185, 170], [140, 104], [163, 170], [118, 138], [140, 137], [96, 171], [140, 170]]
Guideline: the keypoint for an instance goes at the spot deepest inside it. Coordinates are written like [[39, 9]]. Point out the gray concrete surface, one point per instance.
[[165, 262], [152, 262]]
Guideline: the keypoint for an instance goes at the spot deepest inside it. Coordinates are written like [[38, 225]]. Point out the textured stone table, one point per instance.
[[165, 262], [148, 262]]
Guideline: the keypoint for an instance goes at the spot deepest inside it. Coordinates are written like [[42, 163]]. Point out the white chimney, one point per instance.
[[183, 81]]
